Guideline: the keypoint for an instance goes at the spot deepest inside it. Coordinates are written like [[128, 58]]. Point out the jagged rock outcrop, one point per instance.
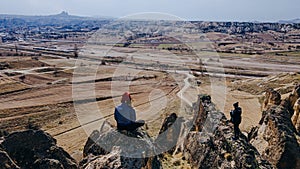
[[6, 162], [294, 95], [114, 160], [275, 137], [295, 102], [119, 149], [174, 129], [296, 116], [213, 146], [200, 114], [272, 97], [91, 147], [276, 141], [36, 149], [111, 160], [289, 102], [169, 134]]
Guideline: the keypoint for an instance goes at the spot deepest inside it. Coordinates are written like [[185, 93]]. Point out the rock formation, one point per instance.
[[295, 94], [201, 115], [295, 102], [169, 134], [119, 149], [290, 101], [213, 146], [296, 116], [272, 97], [275, 137], [34, 149]]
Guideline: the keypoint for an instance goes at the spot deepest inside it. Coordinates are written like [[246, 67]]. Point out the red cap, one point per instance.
[[126, 97]]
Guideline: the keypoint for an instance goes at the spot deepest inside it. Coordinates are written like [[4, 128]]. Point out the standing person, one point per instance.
[[236, 119], [125, 115]]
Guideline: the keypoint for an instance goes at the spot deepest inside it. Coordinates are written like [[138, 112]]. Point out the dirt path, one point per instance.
[[182, 94]]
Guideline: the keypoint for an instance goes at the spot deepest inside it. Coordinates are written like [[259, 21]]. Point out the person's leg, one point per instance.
[[140, 123], [121, 127], [135, 125], [236, 131]]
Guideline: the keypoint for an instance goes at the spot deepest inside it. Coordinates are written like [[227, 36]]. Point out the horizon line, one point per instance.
[[119, 17]]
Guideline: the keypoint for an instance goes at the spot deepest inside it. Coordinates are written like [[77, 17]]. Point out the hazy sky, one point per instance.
[[215, 10]]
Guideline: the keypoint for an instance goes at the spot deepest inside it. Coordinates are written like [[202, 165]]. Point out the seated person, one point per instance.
[[125, 115]]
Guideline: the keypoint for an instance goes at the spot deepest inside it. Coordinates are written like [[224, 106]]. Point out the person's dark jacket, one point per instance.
[[124, 115], [236, 115]]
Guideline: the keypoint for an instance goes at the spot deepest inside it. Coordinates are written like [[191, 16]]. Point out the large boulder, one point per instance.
[[114, 160], [33, 148], [111, 160], [110, 148]]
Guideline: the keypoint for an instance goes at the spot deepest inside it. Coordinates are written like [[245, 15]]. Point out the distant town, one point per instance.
[[31, 32]]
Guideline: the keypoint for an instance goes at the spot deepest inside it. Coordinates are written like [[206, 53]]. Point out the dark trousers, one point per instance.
[[236, 130], [132, 126]]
